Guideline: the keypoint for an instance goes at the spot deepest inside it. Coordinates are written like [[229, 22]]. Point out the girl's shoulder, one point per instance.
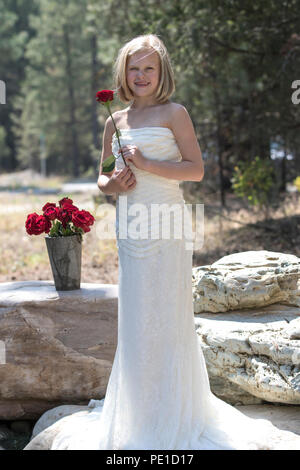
[[176, 108], [171, 107], [120, 115]]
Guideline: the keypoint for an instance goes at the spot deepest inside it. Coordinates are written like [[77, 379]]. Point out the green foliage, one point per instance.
[[57, 230], [254, 181]]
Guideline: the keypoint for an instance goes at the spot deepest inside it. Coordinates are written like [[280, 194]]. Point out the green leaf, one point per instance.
[[118, 133], [109, 164]]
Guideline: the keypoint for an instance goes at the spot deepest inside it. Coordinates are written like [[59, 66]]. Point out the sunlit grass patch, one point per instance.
[[36, 259]]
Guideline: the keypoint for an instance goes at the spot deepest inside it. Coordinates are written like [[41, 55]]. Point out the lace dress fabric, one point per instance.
[[158, 395]]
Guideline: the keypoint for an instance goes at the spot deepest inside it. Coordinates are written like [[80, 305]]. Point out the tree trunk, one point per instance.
[[283, 168], [72, 107], [95, 125], [219, 145]]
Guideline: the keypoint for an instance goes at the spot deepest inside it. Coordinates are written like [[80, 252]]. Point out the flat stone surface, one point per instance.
[[32, 292], [283, 417]]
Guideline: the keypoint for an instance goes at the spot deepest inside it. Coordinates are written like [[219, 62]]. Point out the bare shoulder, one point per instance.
[[109, 127], [180, 120], [177, 112], [184, 132], [175, 107], [120, 116]]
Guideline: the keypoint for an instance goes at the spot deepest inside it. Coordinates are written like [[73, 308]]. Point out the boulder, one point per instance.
[[59, 346], [247, 280], [54, 414], [253, 356]]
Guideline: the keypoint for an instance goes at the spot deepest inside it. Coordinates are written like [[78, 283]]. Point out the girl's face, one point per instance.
[[143, 72]]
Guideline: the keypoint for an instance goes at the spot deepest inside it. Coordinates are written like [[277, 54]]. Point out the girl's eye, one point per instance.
[[135, 68]]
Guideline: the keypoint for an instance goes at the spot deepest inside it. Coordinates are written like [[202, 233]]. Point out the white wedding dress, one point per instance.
[[158, 395]]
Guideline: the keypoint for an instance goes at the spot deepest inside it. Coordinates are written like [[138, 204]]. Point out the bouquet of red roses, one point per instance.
[[60, 221]]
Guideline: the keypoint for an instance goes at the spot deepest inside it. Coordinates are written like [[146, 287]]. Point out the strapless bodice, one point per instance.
[[155, 143], [151, 193]]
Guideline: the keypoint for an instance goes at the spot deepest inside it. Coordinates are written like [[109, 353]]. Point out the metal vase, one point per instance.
[[65, 259]]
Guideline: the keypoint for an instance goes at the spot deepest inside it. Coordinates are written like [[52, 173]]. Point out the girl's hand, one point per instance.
[[123, 180], [132, 154]]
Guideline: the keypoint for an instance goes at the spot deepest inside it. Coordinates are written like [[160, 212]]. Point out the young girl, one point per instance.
[[158, 395], [144, 76]]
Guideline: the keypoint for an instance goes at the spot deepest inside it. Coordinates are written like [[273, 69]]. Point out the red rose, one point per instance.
[[47, 224], [51, 212], [89, 217], [64, 216], [64, 201], [37, 224], [67, 207], [105, 95], [82, 219], [49, 204], [86, 228]]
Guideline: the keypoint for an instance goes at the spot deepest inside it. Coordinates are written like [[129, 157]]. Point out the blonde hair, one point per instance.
[[166, 86]]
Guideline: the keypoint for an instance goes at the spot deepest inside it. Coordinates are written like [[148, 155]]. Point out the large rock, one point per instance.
[[253, 355], [283, 417], [59, 345], [245, 280]]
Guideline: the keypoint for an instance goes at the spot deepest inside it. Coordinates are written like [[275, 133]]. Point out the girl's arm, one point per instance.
[[183, 171], [104, 179], [191, 167]]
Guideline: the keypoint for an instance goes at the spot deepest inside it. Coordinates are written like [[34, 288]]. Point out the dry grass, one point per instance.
[[25, 257]]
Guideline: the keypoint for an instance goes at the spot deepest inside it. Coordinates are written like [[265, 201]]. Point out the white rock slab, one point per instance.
[[245, 280], [253, 355]]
